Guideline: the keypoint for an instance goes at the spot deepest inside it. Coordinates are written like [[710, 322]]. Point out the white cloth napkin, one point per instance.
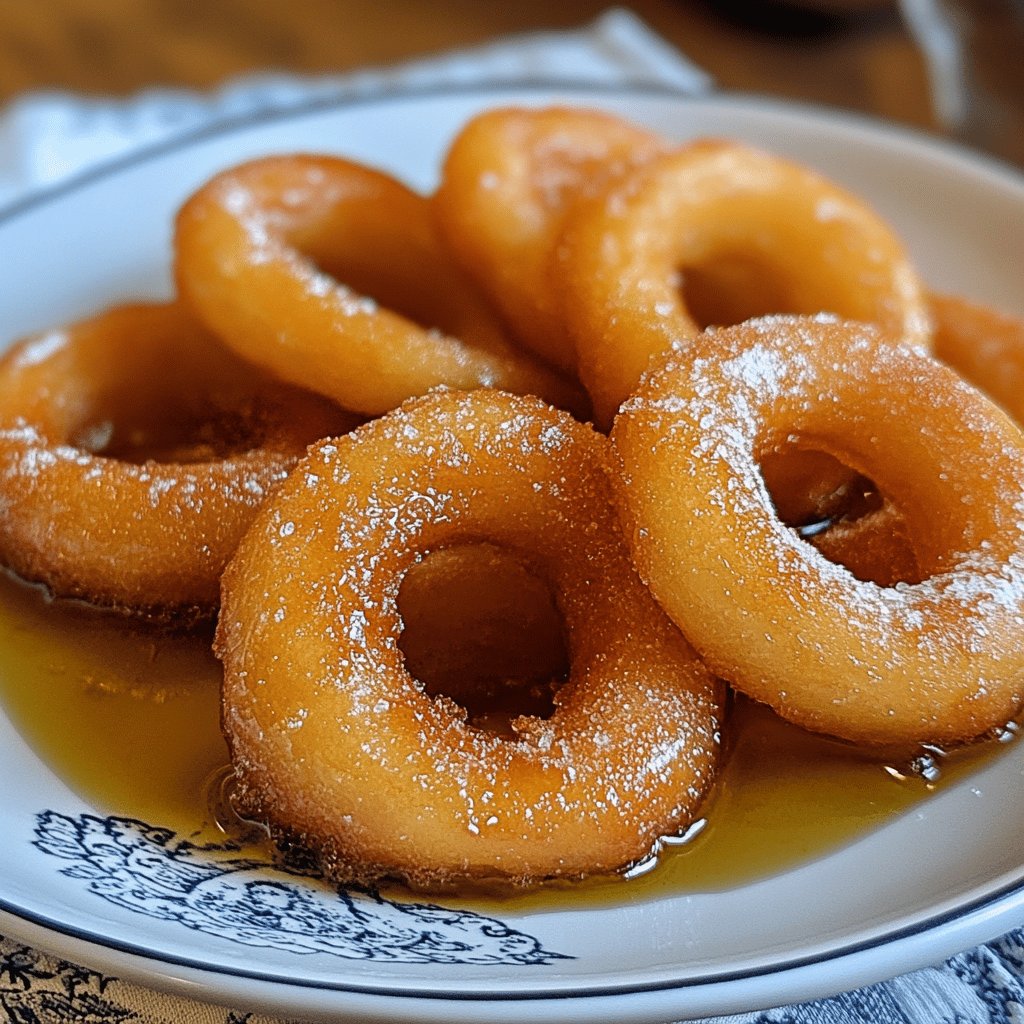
[[45, 138]]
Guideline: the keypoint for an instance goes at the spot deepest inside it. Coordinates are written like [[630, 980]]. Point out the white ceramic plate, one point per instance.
[[124, 899]]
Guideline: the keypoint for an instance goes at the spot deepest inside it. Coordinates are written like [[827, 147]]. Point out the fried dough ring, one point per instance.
[[134, 451], [508, 182], [716, 233], [334, 741], [322, 270], [937, 661], [983, 345]]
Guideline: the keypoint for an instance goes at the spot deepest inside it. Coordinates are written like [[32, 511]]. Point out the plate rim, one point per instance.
[[932, 141], [991, 901]]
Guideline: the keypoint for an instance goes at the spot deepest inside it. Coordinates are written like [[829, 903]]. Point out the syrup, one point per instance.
[[128, 717]]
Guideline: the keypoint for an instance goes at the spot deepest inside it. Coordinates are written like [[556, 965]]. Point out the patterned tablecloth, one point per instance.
[[48, 137]]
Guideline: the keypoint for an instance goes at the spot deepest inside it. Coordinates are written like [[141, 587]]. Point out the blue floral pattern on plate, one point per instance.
[[210, 889]]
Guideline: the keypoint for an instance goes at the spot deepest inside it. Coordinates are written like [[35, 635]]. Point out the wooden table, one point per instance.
[[865, 62]]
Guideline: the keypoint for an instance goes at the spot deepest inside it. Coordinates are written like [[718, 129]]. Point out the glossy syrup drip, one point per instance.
[[128, 717]]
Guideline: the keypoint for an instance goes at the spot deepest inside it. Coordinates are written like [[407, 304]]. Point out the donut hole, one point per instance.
[[811, 488], [786, 245], [731, 288], [391, 270], [167, 433], [406, 292], [479, 627], [840, 512], [145, 382]]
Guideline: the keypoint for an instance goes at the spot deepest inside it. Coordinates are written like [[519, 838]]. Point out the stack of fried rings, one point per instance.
[[601, 247], [334, 741], [134, 451], [309, 626]]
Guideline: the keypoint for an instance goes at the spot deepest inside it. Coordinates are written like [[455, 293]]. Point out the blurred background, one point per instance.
[[927, 63]]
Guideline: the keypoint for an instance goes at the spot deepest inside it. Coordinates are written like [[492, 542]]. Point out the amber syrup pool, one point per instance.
[[128, 717]]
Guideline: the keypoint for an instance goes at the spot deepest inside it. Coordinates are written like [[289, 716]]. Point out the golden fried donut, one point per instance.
[[983, 345], [335, 743], [941, 660], [714, 234], [508, 181], [330, 275], [134, 451]]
